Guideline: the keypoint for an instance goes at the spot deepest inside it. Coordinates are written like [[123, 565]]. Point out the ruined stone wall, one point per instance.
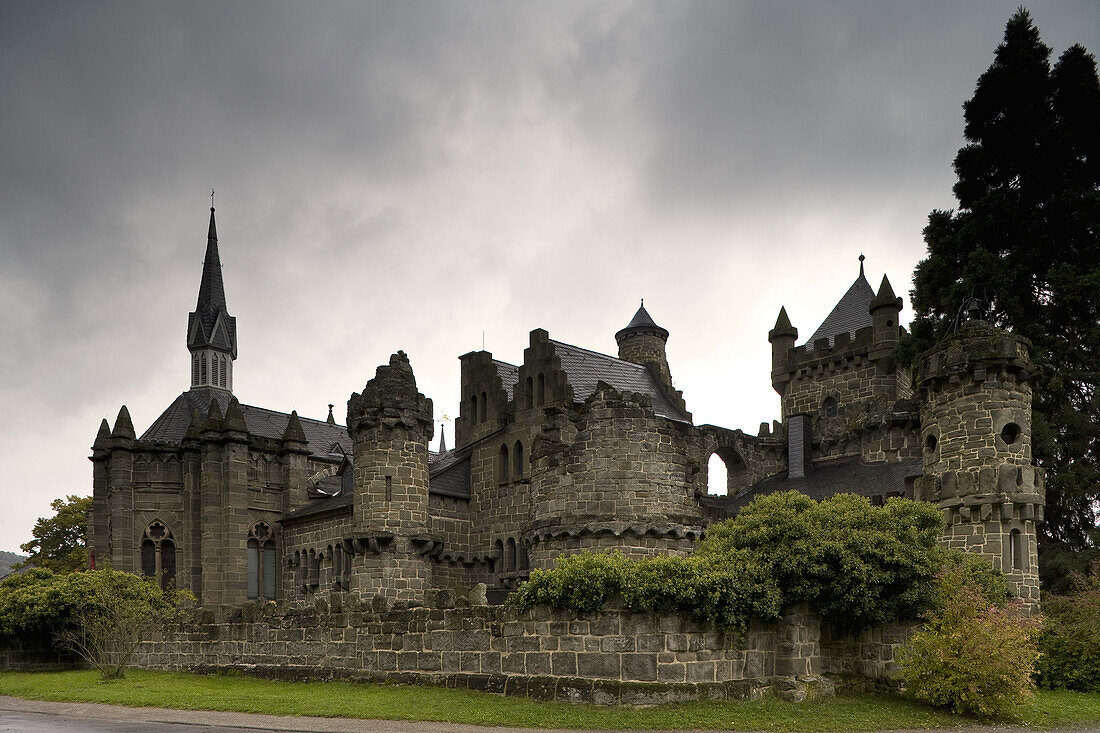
[[606, 657]]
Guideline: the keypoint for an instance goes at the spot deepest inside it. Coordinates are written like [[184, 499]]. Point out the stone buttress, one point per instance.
[[390, 423]]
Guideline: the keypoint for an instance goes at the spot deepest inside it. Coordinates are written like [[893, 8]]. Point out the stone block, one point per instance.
[[598, 664]]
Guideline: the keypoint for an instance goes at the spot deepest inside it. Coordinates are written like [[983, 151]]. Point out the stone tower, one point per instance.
[[975, 407], [211, 331], [643, 342], [390, 424]]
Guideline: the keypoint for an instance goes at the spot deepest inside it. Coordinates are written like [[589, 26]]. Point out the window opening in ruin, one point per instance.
[[484, 407], [517, 454], [502, 464], [529, 393], [830, 407], [717, 476], [542, 389], [498, 554], [1010, 433], [261, 562], [158, 554], [510, 556], [524, 561], [473, 410], [930, 443]]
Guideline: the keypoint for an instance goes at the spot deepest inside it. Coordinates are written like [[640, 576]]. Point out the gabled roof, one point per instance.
[[852, 313], [173, 423], [585, 368]]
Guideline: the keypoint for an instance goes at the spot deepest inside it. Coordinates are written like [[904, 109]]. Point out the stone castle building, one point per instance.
[[570, 450]]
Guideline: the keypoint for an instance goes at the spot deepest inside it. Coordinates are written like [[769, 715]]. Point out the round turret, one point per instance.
[[643, 342], [975, 398]]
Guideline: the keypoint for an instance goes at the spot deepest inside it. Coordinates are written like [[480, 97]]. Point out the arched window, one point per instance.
[[517, 459], [223, 371], [717, 476], [261, 562], [299, 571], [498, 555], [830, 407], [510, 556], [203, 370], [529, 393], [214, 370], [1016, 544], [484, 406], [473, 409], [542, 389], [195, 370], [727, 474], [502, 464], [524, 562], [158, 554]]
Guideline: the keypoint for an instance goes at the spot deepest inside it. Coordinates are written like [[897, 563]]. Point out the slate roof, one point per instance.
[[827, 478], [852, 313], [641, 321], [449, 473], [584, 368], [173, 423], [509, 375]]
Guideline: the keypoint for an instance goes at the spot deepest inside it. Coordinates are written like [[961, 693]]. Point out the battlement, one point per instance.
[[822, 353], [974, 351]]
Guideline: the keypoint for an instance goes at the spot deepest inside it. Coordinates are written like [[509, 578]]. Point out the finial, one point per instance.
[[643, 302], [211, 199], [861, 258], [331, 420]]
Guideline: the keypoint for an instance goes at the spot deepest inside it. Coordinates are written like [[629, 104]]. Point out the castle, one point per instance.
[[571, 450]]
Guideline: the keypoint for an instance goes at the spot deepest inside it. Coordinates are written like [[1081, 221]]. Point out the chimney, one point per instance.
[[798, 445]]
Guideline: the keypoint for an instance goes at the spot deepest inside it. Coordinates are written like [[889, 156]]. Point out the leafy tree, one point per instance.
[[1070, 643], [60, 541], [1025, 240]]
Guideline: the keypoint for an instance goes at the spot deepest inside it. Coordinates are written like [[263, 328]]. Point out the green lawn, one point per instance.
[[395, 702]]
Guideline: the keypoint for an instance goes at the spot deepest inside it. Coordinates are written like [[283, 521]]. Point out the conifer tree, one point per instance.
[[1025, 240]]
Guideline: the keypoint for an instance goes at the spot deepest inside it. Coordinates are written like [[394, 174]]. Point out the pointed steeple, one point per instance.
[[885, 294], [124, 427], [234, 416], [103, 437], [330, 419], [641, 323], [850, 314], [211, 331], [442, 440], [783, 322], [293, 432]]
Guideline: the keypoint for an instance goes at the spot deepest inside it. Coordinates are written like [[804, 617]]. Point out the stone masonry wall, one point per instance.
[[606, 657]]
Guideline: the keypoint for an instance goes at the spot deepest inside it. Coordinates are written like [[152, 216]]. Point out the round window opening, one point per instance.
[[889, 324], [930, 443], [1010, 433]]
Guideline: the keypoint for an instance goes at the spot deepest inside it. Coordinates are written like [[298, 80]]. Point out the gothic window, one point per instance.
[[542, 389], [498, 554], [473, 409], [830, 407], [529, 393], [214, 370], [195, 370], [223, 371], [517, 455], [502, 464], [203, 370], [158, 554], [261, 562]]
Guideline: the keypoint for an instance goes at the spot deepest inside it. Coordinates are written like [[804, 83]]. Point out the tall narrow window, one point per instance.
[[214, 370], [195, 370], [473, 410], [541, 397], [830, 407], [158, 554], [261, 562], [498, 553], [203, 371], [1016, 547], [223, 371], [502, 464], [529, 393], [510, 555], [484, 406], [517, 457]]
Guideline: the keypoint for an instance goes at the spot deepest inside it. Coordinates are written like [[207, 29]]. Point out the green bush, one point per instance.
[[1070, 643], [856, 564], [102, 615], [972, 655]]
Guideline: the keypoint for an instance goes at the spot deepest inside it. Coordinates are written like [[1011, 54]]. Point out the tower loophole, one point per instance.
[[1010, 433]]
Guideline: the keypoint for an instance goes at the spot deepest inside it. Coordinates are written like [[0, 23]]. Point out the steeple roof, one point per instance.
[[852, 313], [641, 321], [210, 325]]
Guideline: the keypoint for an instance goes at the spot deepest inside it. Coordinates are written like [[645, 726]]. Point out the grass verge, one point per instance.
[[395, 702]]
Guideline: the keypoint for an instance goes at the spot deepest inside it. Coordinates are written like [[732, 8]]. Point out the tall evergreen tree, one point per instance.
[[1026, 240]]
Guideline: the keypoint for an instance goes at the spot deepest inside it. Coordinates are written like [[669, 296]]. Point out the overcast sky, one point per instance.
[[414, 175]]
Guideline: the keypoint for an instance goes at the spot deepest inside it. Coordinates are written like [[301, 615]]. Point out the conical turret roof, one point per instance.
[[641, 322], [210, 324]]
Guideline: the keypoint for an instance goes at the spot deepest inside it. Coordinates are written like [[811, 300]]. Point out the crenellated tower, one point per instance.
[[390, 424], [975, 406], [211, 331]]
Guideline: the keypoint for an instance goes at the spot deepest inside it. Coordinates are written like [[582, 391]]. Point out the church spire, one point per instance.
[[211, 331]]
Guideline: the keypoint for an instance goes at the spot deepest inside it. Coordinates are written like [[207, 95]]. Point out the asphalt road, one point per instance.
[[30, 716]]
